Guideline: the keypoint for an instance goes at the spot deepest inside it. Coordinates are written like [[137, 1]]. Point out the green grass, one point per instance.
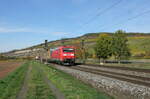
[[37, 87], [10, 85], [71, 87]]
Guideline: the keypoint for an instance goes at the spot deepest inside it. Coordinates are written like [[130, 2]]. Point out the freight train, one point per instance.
[[64, 55]]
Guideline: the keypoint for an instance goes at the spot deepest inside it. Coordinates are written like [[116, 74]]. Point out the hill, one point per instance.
[[139, 44]]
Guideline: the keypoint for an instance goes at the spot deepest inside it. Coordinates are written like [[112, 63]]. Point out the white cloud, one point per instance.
[[12, 30], [7, 30], [32, 30]]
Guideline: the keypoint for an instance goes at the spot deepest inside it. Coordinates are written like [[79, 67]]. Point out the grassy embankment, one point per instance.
[[69, 86]]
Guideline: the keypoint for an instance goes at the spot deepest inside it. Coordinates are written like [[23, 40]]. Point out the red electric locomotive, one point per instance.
[[63, 55]]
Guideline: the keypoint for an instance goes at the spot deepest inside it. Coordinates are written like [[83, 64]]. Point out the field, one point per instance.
[[10, 85], [8, 66], [33, 80]]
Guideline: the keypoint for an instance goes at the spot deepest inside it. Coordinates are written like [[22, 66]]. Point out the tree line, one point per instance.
[[112, 45]]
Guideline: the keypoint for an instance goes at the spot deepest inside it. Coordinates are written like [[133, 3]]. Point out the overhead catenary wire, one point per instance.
[[101, 13], [129, 19]]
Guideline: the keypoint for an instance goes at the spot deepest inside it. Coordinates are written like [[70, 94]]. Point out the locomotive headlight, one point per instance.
[[64, 54], [72, 54]]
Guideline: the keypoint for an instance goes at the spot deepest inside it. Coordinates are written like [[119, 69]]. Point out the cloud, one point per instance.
[[7, 30], [32, 30], [12, 30]]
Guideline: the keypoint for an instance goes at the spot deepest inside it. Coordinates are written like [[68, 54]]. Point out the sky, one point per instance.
[[24, 23]]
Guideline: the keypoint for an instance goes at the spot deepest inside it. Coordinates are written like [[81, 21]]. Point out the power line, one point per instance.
[[102, 12], [131, 18]]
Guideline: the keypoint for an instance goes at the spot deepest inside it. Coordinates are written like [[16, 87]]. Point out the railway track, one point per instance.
[[123, 85], [145, 81], [121, 68], [132, 78]]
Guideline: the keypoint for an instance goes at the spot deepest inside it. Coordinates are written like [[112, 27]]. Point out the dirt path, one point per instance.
[[24, 89], [55, 90]]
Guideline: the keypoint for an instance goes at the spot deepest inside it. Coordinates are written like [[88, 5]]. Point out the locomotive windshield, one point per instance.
[[68, 50]]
